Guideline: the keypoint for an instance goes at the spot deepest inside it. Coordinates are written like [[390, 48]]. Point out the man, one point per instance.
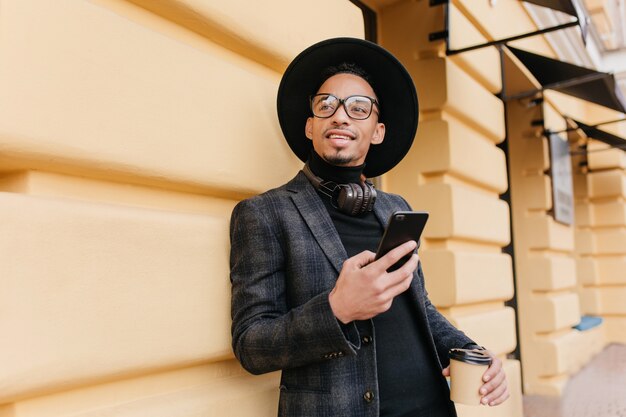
[[308, 297]]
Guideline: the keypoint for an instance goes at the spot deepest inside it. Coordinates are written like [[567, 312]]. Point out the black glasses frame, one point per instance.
[[342, 103]]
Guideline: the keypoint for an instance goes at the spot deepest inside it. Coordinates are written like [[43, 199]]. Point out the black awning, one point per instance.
[[601, 135], [564, 6], [567, 6], [584, 83]]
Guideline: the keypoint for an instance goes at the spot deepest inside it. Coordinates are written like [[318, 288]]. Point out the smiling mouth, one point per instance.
[[340, 135]]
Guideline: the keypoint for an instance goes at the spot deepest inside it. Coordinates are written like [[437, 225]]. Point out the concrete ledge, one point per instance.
[[550, 273], [215, 389], [454, 277], [605, 300], [169, 100], [460, 212], [602, 270], [443, 146], [443, 86], [235, 24], [585, 242], [545, 233], [494, 329], [611, 213], [537, 192], [111, 292], [482, 64], [607, 158], [607, 183], [553, 356], [615, 329], [552, 312], [583, 214], [550, 386], [536, 153], [610, 241]]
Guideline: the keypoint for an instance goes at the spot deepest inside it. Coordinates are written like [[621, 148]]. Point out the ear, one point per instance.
[[308, 128], [379, 134]]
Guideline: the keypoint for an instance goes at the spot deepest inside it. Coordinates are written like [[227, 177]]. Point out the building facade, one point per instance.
[[129, 129]]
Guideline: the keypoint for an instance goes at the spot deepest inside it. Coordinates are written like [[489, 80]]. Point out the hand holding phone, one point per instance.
[[402, 227]]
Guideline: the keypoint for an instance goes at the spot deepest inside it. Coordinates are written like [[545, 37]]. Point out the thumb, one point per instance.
[[362, 259], [446, 371]]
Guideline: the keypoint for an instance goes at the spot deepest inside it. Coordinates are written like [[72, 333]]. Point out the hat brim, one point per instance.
[[389, 79]]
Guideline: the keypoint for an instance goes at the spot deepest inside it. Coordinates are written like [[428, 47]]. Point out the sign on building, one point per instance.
[[562, 185]]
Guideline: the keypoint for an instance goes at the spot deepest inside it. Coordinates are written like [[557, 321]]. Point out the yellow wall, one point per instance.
[[128, 131], [126, 137]]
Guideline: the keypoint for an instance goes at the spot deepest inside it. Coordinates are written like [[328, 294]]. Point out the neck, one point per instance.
[[329, 172]]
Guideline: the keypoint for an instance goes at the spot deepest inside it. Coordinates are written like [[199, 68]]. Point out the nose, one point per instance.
[[341, 115]]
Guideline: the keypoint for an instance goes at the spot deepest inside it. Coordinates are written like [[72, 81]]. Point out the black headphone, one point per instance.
[[352, 199]]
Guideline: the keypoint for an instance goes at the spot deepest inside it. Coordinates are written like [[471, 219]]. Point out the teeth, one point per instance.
[[338, 137]]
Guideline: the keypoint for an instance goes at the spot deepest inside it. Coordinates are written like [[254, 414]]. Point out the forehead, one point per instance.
[[344, 85]]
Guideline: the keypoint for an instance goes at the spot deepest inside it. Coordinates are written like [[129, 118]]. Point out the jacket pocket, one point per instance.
[[304, 401]]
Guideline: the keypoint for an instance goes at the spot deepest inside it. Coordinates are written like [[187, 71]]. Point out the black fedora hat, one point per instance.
[[389, 79]]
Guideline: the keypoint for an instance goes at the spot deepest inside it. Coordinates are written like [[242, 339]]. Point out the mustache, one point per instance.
[[338, 130]]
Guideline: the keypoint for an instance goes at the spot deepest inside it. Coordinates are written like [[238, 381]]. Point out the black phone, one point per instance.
[[402, 227]]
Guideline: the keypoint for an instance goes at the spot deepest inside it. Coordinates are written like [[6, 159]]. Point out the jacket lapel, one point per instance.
[[384, 209], [318, 220]]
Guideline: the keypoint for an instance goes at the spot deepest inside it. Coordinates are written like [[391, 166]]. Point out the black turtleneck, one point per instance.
[[409, 382]]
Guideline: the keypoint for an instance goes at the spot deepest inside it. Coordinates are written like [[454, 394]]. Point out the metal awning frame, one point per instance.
[[611, 145], [445, 34]]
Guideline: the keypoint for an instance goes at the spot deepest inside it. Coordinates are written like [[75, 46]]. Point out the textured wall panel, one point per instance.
[[551, 312], [458, 277], [461, 212], [90, 90], [607, 183], [452, 146], [217, 389], [442, 85], [93, 291], [545, 233], [549, 273], [494, 329], [270, 31]]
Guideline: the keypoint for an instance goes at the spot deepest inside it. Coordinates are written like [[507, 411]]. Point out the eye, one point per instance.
[[358, 109], [326, 103], [360, 105]]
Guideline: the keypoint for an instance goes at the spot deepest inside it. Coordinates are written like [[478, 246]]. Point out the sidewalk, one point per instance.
[[597, 390]]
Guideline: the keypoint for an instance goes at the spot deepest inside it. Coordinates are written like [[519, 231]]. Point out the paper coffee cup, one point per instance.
[[466, 374]]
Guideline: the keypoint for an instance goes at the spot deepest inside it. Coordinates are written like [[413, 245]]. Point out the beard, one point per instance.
[[338, 159]]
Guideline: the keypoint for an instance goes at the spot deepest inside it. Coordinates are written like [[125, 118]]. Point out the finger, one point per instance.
[[394, 290], [446, 371], [361, 260], [497, 396], [395, 255], [495, 381], [494, 368]]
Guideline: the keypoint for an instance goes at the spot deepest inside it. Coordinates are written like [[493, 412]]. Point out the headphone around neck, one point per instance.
[[351, 198]]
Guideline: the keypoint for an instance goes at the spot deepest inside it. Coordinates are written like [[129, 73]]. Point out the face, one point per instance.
[[340, 140]]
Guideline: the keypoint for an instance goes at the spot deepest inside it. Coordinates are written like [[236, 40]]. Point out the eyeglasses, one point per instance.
[[357, 107]]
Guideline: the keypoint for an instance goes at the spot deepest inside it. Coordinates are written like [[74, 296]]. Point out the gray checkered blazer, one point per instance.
[[285, 257]]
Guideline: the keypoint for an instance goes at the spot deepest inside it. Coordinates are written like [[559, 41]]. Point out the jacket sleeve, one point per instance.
[[445, 335], [267, 334]]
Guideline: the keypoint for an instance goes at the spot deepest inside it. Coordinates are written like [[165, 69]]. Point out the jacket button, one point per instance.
[[366, 340], [368, 396]]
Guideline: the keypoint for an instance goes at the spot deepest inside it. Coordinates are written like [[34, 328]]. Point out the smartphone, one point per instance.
[[402, 227]]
